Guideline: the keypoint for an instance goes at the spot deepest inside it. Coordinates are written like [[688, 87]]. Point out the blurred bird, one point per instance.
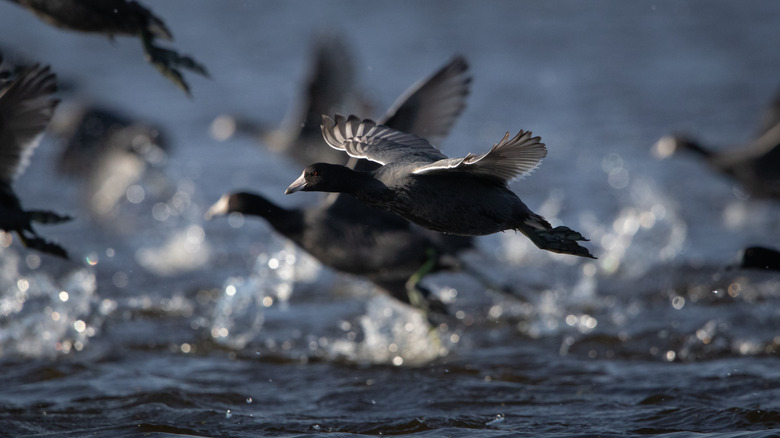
[[428, 108], [118, 17], [383, 248], [466, 196], [108, 151], [759, 257], [755, 165], [26, 106], [352, 237], [331, 85]]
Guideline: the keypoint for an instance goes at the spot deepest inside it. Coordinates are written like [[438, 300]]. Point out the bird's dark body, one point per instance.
[[478, 207], [466, 196], [113, 17], [350, 237]]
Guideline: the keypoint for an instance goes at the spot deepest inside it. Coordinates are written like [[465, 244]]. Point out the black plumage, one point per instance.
[[465, 196], [352, 237], [754, 165], [118, 17], [26, 106]]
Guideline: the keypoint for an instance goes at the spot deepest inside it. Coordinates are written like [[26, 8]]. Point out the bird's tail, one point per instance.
[[562, 240]]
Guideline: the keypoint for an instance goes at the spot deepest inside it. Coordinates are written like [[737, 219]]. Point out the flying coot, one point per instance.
[[330, 86], [465, 196], [383, 248], [118, 17], [353, 237], [107, 152], [755, 165], [26, 106], [428, 108]]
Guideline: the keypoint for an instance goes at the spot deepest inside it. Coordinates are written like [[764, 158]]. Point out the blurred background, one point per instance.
[[178, 325]]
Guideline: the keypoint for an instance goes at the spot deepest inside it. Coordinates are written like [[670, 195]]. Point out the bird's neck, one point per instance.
[[359, 184], [695, 147], [280, 218]]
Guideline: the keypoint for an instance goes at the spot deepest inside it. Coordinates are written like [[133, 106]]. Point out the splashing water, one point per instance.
[[44, 315]]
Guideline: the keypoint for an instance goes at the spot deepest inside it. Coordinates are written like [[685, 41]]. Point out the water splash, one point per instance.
[[239, 314], [394, 334], [44, 315], [186, 250]]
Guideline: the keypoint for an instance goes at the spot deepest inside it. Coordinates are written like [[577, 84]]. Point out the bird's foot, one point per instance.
[[42, 245], [562, 240], [168, 62]]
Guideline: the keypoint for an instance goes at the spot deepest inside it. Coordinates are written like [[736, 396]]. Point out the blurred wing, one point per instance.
[[771, 116], [366, 139], [507, 160], [26, 106], [430, 108], [330, 86]]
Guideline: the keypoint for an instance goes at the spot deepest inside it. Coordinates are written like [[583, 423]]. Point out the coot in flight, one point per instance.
[[755, 165], [428, 108], [383, 248], [118, 17], [355, 238], [465, 196]]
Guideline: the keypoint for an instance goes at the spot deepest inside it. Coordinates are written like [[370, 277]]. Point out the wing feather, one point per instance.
[[430, 108], [506, 160], [378, 143], [26, 106]]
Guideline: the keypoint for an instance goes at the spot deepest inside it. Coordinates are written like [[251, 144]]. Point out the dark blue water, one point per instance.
[[167, 325]]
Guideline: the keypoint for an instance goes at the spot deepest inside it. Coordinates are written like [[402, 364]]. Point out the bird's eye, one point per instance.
[[315, 173]]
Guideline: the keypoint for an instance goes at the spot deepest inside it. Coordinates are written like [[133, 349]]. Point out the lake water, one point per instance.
[[164, 324]]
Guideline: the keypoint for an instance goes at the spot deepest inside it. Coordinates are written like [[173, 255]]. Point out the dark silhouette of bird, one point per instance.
[[754, 165], [428, 108], [26, 106], [118, 17], [355, 238], [465, 196], [760, 257], [384, 248], [107, 152]]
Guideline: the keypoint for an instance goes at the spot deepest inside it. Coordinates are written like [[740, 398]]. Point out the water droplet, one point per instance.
[[498, 419], [135, 194], [79, 325]]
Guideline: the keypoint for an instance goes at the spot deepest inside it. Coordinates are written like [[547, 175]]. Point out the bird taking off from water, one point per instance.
[[466, 196]]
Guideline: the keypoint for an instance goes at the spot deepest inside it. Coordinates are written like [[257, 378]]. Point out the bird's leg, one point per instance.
[[48, 217], [168, 61], [420, 296]]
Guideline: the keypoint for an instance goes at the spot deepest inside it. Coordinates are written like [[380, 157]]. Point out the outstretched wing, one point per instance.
[[26, 106], [507, 160], [365, 139], [331, 85], [430, 108]]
